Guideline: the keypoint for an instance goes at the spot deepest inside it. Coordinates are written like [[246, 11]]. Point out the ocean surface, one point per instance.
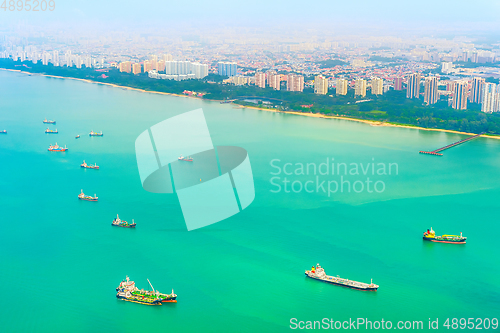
[[61, 260]]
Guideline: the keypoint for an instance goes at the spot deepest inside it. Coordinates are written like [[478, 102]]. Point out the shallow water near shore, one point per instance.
[[61, 259]]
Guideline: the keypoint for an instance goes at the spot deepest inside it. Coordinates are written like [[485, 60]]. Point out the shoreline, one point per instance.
[[313, 115], [369, 122]]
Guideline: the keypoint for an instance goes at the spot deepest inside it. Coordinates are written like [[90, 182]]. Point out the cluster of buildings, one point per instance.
[[227, 68], [166, 68], [31, 53], [459, 92], [373, 64], [294, 82]]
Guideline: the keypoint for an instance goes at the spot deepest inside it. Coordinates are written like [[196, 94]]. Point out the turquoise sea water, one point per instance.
[[61, 260]]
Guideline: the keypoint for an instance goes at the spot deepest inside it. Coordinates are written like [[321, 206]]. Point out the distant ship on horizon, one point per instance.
[[92, 133]]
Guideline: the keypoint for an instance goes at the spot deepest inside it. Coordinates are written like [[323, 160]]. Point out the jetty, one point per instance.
[[438, 151]]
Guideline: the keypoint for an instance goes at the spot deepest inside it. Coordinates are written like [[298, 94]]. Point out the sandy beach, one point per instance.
[[369, 122], [306, 114]]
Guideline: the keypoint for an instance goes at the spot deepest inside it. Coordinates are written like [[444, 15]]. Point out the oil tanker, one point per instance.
[[129, 292], [318, 273], [430, 235]]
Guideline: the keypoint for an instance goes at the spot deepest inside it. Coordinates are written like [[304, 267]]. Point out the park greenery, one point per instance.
[[391, 107]]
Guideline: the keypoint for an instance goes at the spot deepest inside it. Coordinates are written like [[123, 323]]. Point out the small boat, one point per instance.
[[76, 137], [82, 196], [57, 148], [51, 131], [120, 223], [92, 133], [49, 121], [187, 159], [3, 132], [89, 166], [430, 235], [318, 273]]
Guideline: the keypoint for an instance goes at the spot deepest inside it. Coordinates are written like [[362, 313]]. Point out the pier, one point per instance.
[[438, 151]]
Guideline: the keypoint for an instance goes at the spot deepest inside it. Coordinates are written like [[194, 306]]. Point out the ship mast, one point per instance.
[[151, 285]]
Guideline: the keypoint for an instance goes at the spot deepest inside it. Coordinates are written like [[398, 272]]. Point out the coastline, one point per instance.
[[369, 122], [314, 115]]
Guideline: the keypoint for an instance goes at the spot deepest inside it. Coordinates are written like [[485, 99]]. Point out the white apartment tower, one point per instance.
[[341, 87], [489, 93], [377, 86], [360, 88], [431, 90], [320, 85]]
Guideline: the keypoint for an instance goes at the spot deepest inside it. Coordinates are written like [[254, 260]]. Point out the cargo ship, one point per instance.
[[82, 196], [187, 159], [49, 121], [318, 273], [57, 148], [430, 235], [51, 131], [92, 133], [89, 166], [128, 287], [3, 132], [120, 223]]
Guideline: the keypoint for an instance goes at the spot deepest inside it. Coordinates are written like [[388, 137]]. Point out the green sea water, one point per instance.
[[61, 260]]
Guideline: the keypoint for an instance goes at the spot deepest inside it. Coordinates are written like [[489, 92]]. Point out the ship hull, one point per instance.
[[123, 226], [460, 241], [138, 301], [343, 285], [87, 199]]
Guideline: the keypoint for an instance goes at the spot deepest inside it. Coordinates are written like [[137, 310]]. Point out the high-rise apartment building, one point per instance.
[[199, 70], [446, 67], [227, 68], [460, 92], [260, 79], [295, 82], [496, 104], [136, 68], [240, 80], [465, 56], [489, 103], [167, 57], [125, 66], [476, 92], [147, 66], [413, 86], [377, 86], [320, 85], [273, 80], [160, 66], [431, 90], [55, 58], [360, 87], [398, 83], [341, 87]]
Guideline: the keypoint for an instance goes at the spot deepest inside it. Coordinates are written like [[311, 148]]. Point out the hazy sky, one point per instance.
[[388, 14]]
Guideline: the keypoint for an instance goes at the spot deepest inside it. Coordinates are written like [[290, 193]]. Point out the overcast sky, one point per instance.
[[388, 14]]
